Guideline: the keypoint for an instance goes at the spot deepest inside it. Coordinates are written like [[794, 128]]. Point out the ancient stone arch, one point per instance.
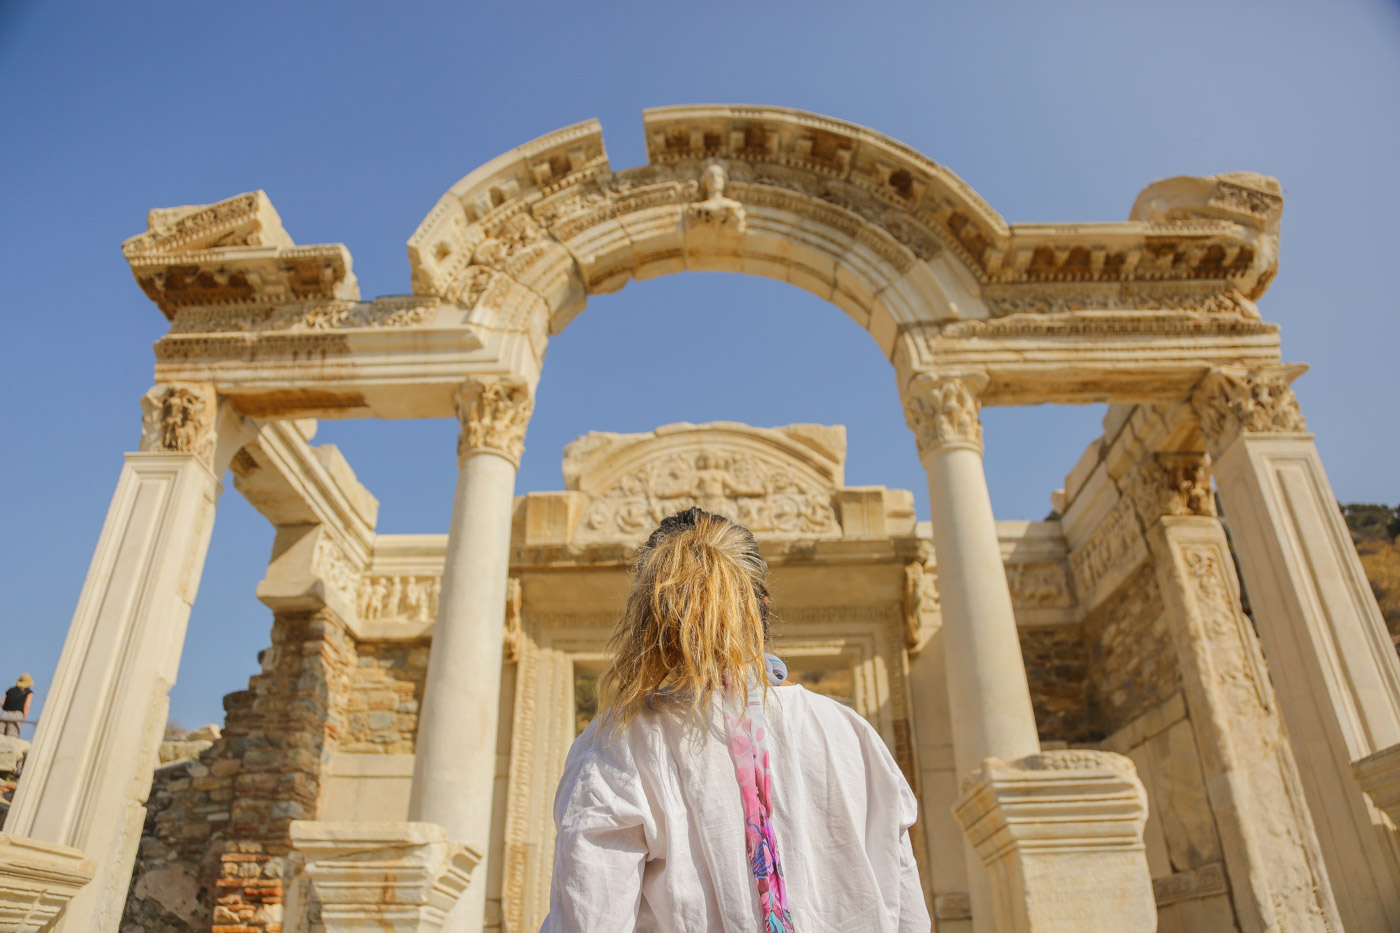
[[1155, 315]]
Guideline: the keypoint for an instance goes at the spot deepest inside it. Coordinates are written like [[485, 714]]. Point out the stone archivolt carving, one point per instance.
[[179, 419], [398, 598], [1235, 400], [1170, 484], [943, 410], [716, 210], [493, 415], [778, 482]]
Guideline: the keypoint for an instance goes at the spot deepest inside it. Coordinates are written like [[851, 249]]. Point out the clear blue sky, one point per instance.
[[355, 117]]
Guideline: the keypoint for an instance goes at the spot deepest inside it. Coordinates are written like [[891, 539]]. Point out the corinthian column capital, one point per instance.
[[1173, 484], [494, 415], [1236, 400], [179, 418], [942, 409]]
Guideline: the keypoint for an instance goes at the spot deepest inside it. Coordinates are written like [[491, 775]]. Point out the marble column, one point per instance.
[[89, 771], [1278, 878], [989, 698], [1328, 650], [988, 695], [455, 762]]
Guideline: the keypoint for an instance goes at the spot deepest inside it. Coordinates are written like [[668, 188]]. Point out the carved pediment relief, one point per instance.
[[779, 482]]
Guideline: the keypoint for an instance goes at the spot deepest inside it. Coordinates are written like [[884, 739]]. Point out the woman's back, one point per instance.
[[651, 827]]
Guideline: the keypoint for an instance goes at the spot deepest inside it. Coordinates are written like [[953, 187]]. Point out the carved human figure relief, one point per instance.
[[923, 614], [493, 415], [715, 209], [1235, 400], [944, 409], [179, 419], [398, 598]]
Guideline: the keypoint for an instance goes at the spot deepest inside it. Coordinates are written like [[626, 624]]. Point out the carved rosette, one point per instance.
[[1236, 400], [179, 418], [1170, 484], [494, 415], [943, 410]]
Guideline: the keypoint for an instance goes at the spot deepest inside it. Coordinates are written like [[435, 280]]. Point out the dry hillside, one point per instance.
[[1376, 531]]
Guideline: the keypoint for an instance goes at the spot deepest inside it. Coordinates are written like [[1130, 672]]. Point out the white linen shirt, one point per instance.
[[650, 828]]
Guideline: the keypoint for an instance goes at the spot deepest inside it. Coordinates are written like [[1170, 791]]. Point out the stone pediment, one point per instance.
[[779, 482]]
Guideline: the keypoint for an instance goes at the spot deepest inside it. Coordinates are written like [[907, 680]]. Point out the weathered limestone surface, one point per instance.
[[37, 880]]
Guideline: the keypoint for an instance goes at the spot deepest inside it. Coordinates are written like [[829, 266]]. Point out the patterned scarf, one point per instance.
[[748, 746]]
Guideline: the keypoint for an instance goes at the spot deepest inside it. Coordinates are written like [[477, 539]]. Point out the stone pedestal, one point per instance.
[[1379, 776], [1061, 836], [404, 877], [37, 880]]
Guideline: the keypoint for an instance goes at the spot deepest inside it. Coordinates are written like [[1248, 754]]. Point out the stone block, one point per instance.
[[12, 752], [37, 880], [1061, 834]]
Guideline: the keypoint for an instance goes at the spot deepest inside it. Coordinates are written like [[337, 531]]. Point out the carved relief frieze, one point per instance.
[[943, 410], [1109, 544], [759, 492], [309, 316], [923, 614], [1235, 400], [1173, 484], [1003, 301], [493, 415], [409, 598], [180, 419], [330, 563], [1039, 584], [1234, 658], [249, 347]]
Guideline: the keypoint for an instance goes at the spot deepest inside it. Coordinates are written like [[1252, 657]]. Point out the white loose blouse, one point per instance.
[[650, 828]]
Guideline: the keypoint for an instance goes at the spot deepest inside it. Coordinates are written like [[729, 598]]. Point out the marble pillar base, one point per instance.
[[1061, 836], [1379, 777], [383, 876], [37, 880]]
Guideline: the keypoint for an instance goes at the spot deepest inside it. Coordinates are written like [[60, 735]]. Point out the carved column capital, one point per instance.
[[1169, 484], [179, 418], [943, 410], [1236, 400], [494, 415]]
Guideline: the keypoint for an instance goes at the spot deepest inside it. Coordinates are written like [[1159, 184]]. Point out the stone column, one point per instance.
[[1339, 682], [1278, 879], [88, 774], [989, 699], [455, 762], [987, 690]]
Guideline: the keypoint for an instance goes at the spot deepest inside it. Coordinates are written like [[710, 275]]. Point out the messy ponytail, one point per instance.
[[696, 621]]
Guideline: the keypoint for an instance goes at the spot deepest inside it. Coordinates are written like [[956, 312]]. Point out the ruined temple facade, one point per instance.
[[1101, 737]]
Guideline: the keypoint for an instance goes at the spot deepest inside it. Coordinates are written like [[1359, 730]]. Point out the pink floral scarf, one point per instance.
[[748, 746]]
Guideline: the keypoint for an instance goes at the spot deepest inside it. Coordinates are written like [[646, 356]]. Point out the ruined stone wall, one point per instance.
[[385, 691], [1057, 659], [1132, 666], [215, 854]]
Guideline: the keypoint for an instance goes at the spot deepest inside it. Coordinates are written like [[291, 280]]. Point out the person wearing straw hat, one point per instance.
[[15, 709]]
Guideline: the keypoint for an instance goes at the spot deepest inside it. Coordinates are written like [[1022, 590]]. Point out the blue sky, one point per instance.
[[355, 117]]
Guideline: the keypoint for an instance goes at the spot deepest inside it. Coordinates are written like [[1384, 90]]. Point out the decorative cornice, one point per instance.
[[179, 418], [1175, 484], [943, 410], [494, 415], [1235, 400]]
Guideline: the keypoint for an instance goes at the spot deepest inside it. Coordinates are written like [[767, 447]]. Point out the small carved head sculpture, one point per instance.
[[714, 180]]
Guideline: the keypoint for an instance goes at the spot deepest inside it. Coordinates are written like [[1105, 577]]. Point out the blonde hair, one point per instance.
[[696, 621]]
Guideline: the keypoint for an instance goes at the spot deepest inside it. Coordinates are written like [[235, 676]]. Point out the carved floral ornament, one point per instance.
[[179, 419], [1235, 400], [943, 410], [494, 415], [1170, 485]]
